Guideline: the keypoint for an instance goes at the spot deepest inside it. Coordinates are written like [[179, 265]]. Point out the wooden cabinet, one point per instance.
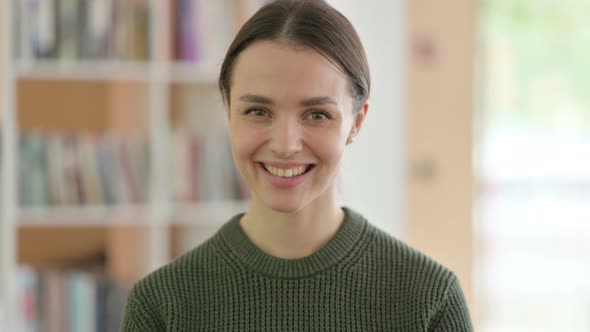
[[441, 100]]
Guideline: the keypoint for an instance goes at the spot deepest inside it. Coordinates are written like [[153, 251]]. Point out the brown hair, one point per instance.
[[311, 23]]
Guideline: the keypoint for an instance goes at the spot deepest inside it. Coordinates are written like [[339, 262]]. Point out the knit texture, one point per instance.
[[362, 280]]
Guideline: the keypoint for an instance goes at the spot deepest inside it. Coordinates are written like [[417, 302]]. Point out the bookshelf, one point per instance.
[[145, 85]]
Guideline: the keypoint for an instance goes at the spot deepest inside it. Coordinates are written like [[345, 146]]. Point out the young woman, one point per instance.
[[296, 83]]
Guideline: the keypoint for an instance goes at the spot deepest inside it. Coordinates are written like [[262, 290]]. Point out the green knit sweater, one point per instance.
[[361, 280]]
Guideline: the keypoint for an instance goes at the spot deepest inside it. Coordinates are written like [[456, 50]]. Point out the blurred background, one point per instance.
[[114, 156]]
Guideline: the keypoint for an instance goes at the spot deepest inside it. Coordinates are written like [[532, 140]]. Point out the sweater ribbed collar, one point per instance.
[[236, 244]]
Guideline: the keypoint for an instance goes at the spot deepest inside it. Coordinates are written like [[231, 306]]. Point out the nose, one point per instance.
[[286, 138]]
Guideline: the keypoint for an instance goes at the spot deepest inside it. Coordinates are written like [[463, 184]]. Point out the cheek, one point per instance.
[[244, 140], [328, 146]]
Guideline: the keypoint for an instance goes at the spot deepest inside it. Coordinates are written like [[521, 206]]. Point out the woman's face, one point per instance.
[[290, 119]]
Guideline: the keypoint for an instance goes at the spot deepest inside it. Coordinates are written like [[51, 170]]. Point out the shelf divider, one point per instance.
[[8, 212]]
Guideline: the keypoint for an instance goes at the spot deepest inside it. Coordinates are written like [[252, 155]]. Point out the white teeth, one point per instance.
[[285, 173], [299, 171]]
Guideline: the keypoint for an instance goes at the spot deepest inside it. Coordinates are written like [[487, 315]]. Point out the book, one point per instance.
[[87, 154], [43, 28], [33, 186], [202, 168], [108, 171], [71, 170], [116, 301], [75, 299], [82, 301], [53, 299], [24, 30], [69, 30], [82, 169], [186, 31], [28, 299], [140, 30], [96, 19], [56, 178], [130, 179], [85, 169]]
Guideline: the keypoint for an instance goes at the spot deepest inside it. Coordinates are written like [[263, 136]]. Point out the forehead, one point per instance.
[[282, 71]]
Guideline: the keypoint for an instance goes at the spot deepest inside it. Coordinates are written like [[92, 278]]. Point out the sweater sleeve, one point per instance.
[[138, 317], [453, 315]]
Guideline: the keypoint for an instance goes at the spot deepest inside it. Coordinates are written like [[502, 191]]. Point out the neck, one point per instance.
[[292, 235]]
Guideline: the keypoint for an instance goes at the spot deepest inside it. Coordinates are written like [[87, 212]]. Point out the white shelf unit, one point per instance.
[[158, 74], [115, 71], [211, 213]]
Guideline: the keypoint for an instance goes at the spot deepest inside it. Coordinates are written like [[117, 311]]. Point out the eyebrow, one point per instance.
[[314, 101]]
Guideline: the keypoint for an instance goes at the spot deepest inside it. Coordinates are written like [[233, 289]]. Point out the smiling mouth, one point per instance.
[[287, 173]]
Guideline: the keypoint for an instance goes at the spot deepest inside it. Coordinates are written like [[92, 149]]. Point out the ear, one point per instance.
[[358, 122]]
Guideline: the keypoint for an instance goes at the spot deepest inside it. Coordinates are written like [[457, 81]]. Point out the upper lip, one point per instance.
[[283, 165]]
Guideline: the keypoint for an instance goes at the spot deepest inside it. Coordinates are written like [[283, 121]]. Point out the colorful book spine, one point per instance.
[[186, 30], [202, 169], [69, 170], [70, 30], [68, 301], [28, 299], [96, 28]]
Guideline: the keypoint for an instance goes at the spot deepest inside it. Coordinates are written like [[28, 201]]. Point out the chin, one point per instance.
[[284, 206]]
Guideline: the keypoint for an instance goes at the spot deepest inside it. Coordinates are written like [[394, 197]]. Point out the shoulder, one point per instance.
[[168, 284], [188, 276], [396, 253], [410, 272], [406, 278]]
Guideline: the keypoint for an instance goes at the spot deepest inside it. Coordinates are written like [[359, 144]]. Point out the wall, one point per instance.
[[373, 174], [409, 171]]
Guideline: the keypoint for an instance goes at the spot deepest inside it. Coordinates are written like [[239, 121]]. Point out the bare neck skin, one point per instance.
[[293, 235]]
